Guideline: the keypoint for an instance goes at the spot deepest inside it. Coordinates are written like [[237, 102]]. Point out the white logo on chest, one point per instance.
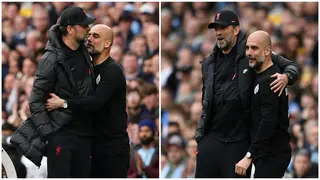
[[256, 89], [98, 79], [244, 71]]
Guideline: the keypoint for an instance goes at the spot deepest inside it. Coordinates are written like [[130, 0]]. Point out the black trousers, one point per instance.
[[108, 162], [272, 166], [68, 156], [217, 159]]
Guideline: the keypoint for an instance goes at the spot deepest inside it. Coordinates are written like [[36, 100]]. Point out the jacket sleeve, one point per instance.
[[105, 90], [286, 66], [200, 128], [43, 85], [269, 117], [152, 171]]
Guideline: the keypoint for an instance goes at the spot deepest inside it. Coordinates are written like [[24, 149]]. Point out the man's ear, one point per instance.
[[107, 44], [267, 51], [69, 29], [236, 30]]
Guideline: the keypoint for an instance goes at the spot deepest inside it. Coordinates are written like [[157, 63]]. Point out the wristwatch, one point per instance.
[[248, 155], [65, 104]]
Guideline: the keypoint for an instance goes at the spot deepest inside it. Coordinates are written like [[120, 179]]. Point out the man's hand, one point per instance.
[[280, 83], [139, 163], [54, 102], [242, 166]]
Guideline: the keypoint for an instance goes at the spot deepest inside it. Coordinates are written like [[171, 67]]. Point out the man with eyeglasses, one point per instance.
[[66, 70]]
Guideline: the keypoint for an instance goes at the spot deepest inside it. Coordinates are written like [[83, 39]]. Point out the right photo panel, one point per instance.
[[239, 89]]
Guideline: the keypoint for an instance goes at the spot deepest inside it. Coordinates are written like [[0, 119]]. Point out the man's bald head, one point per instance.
[[104, 31], [100, 39], [262, 37]]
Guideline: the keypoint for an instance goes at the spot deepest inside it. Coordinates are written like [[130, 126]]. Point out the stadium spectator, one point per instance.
[[145, 157], [176, 162]]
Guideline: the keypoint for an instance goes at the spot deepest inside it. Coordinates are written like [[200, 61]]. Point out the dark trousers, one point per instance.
[[110, 163], [217, 159], [272, 166], [68, 156]]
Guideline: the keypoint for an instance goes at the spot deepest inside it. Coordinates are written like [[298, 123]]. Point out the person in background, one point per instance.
[[302, 165], [145, 158], [176, 162]]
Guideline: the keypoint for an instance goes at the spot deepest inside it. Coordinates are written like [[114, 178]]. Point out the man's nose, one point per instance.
[[89, 38], [248, 52]]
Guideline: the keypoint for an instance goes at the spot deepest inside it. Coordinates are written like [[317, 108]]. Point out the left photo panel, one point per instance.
[[80, 89]]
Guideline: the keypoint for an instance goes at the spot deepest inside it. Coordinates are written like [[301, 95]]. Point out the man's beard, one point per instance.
[[146, 141], [224, 45], [94, 54], [92, 51], [258, 65], [147, 75], [84, 39], [81, 40]]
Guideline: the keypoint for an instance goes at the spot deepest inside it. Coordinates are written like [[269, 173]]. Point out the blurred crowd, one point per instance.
[[186, 41], [136, 47]]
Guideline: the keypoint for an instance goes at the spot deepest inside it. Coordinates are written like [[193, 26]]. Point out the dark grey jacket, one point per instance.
[[245, 80], [53, 76]]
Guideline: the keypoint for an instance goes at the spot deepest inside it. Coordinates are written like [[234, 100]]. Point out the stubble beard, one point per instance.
[[258, 65]]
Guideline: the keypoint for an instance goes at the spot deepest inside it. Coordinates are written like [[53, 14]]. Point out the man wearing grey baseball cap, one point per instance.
[[223, 133], [66, 70]]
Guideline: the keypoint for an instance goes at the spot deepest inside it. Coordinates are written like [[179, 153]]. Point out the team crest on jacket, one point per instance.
[[244, 71], [256, 89], [98, 79]]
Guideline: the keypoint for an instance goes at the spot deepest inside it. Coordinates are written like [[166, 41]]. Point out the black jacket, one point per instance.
[[53, 76], [245, 79]]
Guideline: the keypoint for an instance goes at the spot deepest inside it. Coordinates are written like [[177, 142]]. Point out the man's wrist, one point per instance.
[[249, 155], [64, 104], [289, 77]]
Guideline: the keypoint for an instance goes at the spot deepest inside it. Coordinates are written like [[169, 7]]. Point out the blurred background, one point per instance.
[[186, 40], [136, 47]]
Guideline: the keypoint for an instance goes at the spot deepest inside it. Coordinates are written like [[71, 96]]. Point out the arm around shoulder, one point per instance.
[[288, 67]]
